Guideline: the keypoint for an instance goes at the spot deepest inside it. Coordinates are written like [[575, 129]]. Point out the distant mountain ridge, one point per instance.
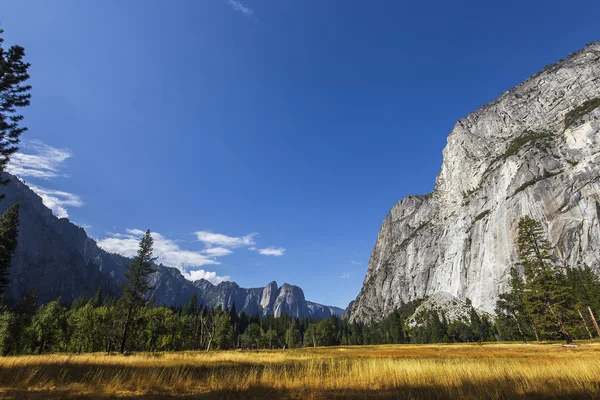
[[58, 259]]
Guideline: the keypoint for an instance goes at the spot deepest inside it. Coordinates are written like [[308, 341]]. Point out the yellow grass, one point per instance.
[[495, 371]]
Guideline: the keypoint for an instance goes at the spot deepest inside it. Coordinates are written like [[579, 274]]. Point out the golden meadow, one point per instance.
[[466, 371]]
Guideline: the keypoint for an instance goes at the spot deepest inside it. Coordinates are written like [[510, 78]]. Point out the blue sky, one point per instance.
[[263, 140]]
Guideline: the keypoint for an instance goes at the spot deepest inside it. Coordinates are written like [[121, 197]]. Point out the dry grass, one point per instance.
[[498, 371]]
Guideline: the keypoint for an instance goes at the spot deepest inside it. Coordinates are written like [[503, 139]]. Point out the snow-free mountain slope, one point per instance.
[[57, 259], [534, 151]]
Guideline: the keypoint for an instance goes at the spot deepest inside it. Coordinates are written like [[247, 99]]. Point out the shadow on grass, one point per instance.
[[169, 382], [416, 393]]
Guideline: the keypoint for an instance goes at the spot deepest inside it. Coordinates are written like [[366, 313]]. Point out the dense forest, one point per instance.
[[98, 324]]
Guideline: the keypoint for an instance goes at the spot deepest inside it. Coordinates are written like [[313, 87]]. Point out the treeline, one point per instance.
[[547, 299], [97, 325]]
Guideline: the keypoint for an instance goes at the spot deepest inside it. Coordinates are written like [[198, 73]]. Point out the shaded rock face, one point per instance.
[[57, 259], [535, 151], [321, 311], [53, 256]]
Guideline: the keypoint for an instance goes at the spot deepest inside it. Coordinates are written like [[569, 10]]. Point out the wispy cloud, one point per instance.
[[345, 276], [167, 252], [237, 6], [355, 263], [84, 226], [38, 160], [216, 251], [57, 200], [218, 239], [271, 251]]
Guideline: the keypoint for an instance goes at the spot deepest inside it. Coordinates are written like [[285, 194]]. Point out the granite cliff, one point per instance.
[[534, 151]]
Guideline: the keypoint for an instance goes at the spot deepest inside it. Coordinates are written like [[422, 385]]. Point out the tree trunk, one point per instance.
[[585, 324], [594, 320], [537, 337], [126, 329], [210, 339], [519, 328]]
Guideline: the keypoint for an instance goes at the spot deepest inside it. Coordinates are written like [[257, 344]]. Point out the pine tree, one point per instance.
[[9, 234], [13, 93], [547, 294], [512, 305], [191, 307], [137, 285]]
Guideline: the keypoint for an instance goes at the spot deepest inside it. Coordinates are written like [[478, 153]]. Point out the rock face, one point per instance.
[[54, 256], [452, 308], [534, 151], [321, 311], [58, 259]]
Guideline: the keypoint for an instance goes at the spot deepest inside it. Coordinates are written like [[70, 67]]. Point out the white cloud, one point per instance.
[[271, 251], [345, 276], [355, 263], [38, 160], [84, 226], [218, 239], [166, 252], [216, 251], [210, 276], [237, 6], [57, 200]]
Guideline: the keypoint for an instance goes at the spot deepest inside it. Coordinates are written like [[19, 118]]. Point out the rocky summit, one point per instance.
[[57, 259], [534, 151]]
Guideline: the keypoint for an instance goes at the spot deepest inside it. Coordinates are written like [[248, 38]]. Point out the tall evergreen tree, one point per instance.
[[137, 285], [14, 93], [9, 222], [191, 307], [512, 305], [548, 295]]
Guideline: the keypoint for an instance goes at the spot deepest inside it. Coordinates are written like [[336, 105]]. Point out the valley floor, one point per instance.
[[488, 371]]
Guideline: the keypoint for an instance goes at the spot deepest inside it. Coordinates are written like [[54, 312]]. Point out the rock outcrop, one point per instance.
[[57, 259], [446, 305], [535, 151]]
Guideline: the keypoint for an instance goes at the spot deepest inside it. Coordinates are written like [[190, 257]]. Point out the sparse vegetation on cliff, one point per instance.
[[518, 143], [580, 111], [480, 216]]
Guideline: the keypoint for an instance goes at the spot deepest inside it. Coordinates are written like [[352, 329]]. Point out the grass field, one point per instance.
[[491, 371]]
